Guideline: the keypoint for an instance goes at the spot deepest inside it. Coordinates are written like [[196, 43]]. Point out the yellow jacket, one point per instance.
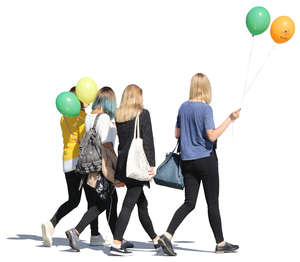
[[71, 147]]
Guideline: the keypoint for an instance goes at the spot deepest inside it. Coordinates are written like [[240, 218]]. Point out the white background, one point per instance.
[[47, 46]]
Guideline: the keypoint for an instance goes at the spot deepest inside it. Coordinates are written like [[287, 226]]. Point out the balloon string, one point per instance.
[[248, 70], [259, 71], [246, 83]]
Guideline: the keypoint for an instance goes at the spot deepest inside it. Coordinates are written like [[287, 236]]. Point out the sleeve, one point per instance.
[[86, 123], [209, 123], [147, 135], [105, 130], [62, 123]]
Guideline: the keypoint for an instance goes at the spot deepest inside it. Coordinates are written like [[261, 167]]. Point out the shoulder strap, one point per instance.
[[96, 120], [71, 131], [95, 123], [137, 127], [177, 147]]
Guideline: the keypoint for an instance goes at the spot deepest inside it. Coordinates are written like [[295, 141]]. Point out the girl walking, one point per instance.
[[197, 133], [72, 131], [132, 106], [103, 109]]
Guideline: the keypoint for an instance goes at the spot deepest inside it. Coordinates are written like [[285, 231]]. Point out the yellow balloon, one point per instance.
[[282, 29], [86, 90]]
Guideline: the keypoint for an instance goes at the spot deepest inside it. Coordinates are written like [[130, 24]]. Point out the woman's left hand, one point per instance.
[[152, 171]]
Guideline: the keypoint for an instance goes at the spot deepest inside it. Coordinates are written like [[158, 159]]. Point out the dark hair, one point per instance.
[[73, 90]]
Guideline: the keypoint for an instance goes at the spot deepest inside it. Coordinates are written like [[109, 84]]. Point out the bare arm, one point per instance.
[[214, 134], [177, 132]]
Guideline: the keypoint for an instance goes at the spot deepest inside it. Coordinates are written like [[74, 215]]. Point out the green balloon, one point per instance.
[[68, 104], [258, 20]]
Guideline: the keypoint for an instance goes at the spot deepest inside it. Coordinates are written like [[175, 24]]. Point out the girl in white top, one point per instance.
[[104, 104], [105, 128]]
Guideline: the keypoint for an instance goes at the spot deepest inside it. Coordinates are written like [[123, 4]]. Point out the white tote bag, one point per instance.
[[137, 163]]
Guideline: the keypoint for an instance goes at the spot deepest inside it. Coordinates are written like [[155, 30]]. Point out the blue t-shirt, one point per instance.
[[194, 118]]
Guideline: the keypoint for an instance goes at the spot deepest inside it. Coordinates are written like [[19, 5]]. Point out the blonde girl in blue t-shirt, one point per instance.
[[197, 133]]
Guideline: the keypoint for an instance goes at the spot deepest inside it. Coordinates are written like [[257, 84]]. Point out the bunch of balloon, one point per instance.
[[68, 104], [258, 21]]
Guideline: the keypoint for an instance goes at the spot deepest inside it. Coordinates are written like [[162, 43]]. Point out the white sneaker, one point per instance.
[[97, 240], [47, 233]]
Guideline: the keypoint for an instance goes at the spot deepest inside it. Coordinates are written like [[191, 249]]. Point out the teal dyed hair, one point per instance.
[[106, 100]]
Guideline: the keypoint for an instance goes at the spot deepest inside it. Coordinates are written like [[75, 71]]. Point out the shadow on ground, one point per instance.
[[138, 246]]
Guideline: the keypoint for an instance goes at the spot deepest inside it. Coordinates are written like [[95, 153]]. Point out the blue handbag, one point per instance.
[[169, 172]]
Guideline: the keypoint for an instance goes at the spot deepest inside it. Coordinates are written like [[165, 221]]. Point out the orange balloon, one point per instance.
[[282, 29]]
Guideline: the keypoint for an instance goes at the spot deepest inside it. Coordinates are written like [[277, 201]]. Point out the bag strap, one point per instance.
[[95, 123], [94, 127], [177, 147], [137, 127], [71, 131], [96, 120]]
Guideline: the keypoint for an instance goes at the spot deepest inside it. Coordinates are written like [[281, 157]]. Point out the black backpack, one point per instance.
[[90, 157]]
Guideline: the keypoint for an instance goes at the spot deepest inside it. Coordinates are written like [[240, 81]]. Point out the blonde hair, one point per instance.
[[200, 88], [131, 104]]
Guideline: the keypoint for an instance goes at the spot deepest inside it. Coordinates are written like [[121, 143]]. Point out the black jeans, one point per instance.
[[98, 206], [195, 171], [73, 182], [134, 195]]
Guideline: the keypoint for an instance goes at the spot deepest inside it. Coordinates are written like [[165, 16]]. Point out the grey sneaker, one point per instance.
[[73, 239], [97, 240]]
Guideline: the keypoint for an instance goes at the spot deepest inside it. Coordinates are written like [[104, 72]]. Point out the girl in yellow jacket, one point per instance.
[[73, 130]]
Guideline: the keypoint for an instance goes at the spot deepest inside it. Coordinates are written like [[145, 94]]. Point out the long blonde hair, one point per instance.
[[131, 104], [200, 88]]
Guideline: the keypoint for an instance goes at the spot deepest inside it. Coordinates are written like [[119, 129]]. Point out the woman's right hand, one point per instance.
[[235, 115], [152, 171]]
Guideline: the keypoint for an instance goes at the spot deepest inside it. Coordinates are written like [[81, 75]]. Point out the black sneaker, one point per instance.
[[73, 239], [166, 245], [126, 244], [156, 246], [120, 251], [227, 248]]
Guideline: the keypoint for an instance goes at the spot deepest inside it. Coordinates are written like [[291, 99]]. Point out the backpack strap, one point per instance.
[[95, 124], [71, 131], [96, 120]]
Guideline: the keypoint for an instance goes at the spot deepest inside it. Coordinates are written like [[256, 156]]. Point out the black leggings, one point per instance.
[[195, 171], [98, 206], [134, 195], [73, 182]]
